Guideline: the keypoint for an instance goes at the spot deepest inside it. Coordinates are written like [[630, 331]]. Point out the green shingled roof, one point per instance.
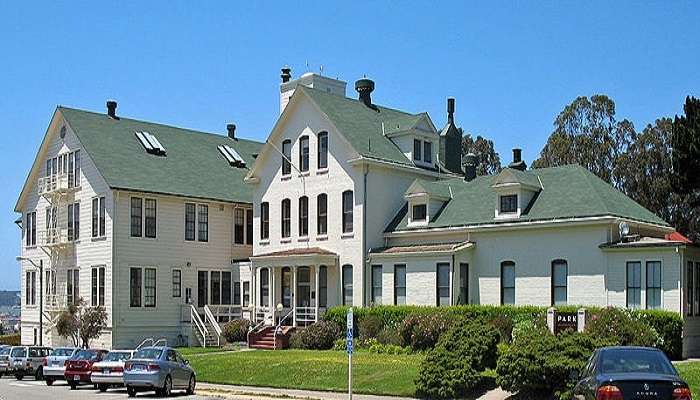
[[569, 191], [362, 125], [193, 166]]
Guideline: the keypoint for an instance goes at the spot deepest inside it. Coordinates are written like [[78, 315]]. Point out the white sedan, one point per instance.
[[110, 371]]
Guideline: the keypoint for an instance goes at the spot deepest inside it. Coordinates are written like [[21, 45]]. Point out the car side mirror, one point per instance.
[[574, 375], [187, 362]]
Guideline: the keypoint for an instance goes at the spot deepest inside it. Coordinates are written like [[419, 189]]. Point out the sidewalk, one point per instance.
[[259, 393]]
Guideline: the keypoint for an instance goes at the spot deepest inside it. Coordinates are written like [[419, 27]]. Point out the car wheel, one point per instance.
[[39, 375], [49, 382], [19, 377], [167, 387], [103, 387], [72, 386], [190, 387], [131, 392]]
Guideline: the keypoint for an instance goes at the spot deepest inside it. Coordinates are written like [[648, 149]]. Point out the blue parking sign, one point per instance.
[[349, 336]]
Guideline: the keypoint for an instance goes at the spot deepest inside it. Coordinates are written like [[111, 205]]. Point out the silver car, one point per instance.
[[4, 360], [28, 360], [56, 364], [158, 368], [110, 371]]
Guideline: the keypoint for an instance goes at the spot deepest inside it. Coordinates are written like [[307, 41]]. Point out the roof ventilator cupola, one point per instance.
[[112, 109], [364, 88], [518, 163]]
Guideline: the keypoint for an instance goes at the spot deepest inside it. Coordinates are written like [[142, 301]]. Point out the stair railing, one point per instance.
[[199, 324], [143, 343], [255, 329], [209, 317], [279, 326], [158, 342]]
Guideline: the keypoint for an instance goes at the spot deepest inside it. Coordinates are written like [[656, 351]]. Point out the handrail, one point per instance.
[[164, 340], [279, 325], [143, 343], [253, 329], [199, 324], [208, 316]]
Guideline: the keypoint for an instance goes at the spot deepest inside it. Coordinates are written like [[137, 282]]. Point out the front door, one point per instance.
[[303, 287]]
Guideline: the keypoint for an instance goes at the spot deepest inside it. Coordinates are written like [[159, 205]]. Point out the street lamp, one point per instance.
[[41, 294]]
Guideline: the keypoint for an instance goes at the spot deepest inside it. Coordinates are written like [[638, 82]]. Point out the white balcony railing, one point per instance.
[[55, 237], [54, 184]]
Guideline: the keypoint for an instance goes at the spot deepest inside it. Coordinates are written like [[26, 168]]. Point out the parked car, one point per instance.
[[79, 367], [28, 360], [110, 371], [158, 368], [622, 373], [5, 360], [55, 364]]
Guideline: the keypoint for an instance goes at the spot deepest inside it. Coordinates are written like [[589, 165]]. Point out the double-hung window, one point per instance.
[[323, 150], [419, 213], [303, 216], [135, 282], [238, 225], [653, 284], [376, 284], [347, 284], [226, 287], [286, 157], [30, 288], [196, 222], [30, 229], [98, 217], [322, 214], [689, 288], [427, 152], [507, 282], [136, 216], [190, 221], [304, 153], [177, 283], [634, 284], [399, 284], [249, 226], [236, 293], [73, 286], [215, 292], [463, 283], [246, 294], [347, 211], [509, 203], [150, 213], [443, 284], [73, 221], [417, 147], [149, 286], [202, 222], [264, 220], [143, 217], [98, 286], [560, 277], [322, 286], [286, 218]]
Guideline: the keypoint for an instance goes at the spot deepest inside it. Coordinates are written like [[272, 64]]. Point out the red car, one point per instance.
[[79, 367]]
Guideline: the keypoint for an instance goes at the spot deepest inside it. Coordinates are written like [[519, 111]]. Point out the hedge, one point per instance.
[[10, 340], [668, 325]]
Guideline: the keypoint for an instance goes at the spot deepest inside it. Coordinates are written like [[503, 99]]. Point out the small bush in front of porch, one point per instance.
[[455, 367], [236, 330], [319, 336], [421, 331], [622, 327]]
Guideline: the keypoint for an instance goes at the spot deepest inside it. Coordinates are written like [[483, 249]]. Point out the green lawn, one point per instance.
[[314, 370], [690, 371], [196, 351]]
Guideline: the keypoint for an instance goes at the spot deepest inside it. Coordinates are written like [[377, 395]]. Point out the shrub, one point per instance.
[[369, 326], [379, 348], [669, 326], [11, 340], [340, 344], [319, 336], [236, 330], [504, 325], [538, 364], [454, 368], [389, 336], [622, 327], [422, 331]]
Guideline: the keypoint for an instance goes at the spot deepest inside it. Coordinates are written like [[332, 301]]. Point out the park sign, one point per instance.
[[560, 321]]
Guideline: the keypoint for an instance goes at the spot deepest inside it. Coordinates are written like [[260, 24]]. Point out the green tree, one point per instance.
[[686, 150], [586, 132], [81, 324], [489, 162]]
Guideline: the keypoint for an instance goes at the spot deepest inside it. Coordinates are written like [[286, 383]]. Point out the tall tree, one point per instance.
[[489, 162], [686, 150], [586, 132]]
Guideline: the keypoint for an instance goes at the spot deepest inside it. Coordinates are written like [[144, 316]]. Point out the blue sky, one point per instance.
[[512, 66]]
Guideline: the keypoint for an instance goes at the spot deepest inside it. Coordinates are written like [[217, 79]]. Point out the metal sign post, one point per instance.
[[349, 348]]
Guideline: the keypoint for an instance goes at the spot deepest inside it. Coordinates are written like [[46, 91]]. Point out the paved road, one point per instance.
[[28, 389]]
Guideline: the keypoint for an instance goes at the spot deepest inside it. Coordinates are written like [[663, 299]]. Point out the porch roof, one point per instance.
[[419, 249], [647, 242], [296, 256]]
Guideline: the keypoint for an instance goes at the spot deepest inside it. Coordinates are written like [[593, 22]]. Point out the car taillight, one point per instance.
[[118, 369], [95, 369], [45, 362], [682, 394], [153, 367], [608, 392]]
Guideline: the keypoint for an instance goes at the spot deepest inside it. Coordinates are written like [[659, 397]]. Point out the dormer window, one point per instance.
[[509, 204], [417, 147], [419, 212], [428, 152]]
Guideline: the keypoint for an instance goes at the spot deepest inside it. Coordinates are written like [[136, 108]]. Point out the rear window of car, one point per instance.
[[620, 361], [148, 354], [62, 352], [117, 356], [19, 352], [5, 351], [85, 355]]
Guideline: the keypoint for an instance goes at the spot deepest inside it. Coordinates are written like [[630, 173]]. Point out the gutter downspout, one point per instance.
[[364, 232]]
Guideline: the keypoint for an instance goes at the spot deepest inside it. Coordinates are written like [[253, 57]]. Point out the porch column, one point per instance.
[[253, 294], [316, 268], [294, 295], [272, 295]]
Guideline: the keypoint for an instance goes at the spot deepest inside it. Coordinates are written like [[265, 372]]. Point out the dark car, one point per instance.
[[79, 367], [630, 373]]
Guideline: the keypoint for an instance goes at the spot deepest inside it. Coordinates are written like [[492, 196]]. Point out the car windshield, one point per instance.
[[620, 361], [85, 355], [62, 352], [148, 354], [117, 356], [19, 352]]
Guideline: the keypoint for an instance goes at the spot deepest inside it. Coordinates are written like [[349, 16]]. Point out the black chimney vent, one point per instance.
[[470, 162], [364, 88], [286, 74], [231, 128], [450, 109], [112, 109], [518, 162]]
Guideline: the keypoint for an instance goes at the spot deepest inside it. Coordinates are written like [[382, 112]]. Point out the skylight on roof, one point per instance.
[[231, 155], [150, 143]]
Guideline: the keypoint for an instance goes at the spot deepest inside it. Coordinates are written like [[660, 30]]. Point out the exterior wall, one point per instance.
[[86, 252], [168, 251], [691, 329]]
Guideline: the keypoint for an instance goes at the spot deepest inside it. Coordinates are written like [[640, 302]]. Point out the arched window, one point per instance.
[[322, 214], [507, 282], [286, 287], [347, 211], [322, 286], [286, 218], [265, 287], [303, 216], [560, 275], [304, 153], [347, 285], [287, 156], [323, 150]]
